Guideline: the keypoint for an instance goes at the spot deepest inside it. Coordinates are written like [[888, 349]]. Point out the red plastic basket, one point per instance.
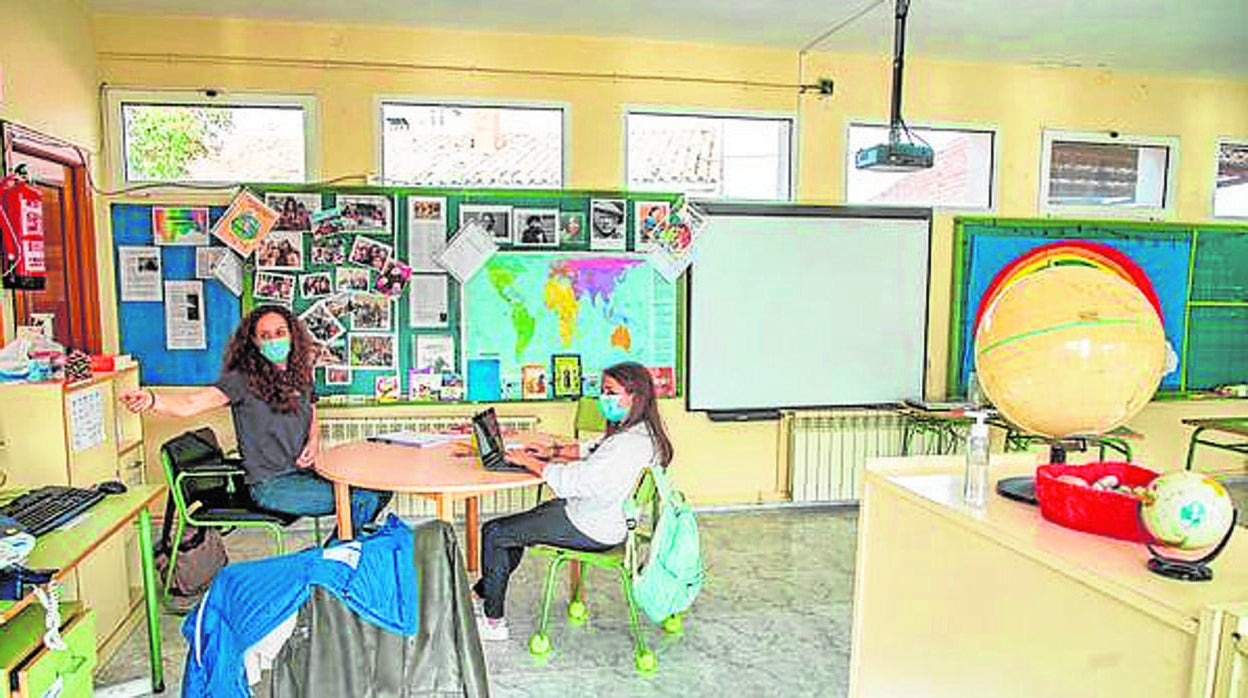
[[1102, 512]]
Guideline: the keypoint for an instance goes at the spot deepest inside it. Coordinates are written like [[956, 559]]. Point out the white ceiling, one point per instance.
[[1208, 37]]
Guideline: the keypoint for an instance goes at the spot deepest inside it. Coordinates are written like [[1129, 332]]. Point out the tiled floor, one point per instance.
[[773, 619]]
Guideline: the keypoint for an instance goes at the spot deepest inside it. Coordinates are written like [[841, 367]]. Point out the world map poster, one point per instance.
[[522, 308]]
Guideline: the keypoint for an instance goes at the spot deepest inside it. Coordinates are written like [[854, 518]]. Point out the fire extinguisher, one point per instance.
[[21, 232]]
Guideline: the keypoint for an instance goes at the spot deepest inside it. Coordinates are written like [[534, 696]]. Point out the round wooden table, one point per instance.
[[434, 472]]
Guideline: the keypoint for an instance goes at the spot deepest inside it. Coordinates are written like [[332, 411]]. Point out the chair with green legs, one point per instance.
[[623, 559], [205, 489]]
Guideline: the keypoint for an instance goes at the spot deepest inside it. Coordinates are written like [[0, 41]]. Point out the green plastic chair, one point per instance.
[[623, 559], [186, 482]]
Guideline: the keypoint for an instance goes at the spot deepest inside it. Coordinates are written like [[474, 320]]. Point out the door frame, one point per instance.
[[82, 278]]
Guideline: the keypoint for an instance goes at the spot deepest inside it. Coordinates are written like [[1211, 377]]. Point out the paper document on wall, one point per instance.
[[184, 315], [229, 271], [429, 305], [471, 247], [140, 273], [86, 419]]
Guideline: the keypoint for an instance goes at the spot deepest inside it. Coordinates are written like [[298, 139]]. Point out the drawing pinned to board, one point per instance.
[[664, 380], [677, 242], [435, 353], [533, 382], [386, 388], [423, 386], [565, 370], [572, 229], [179, 225], [295, 211], [650, 218], [245, 223], [140, 273]]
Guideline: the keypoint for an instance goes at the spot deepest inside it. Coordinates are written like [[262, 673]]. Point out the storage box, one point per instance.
[[1103, 512]]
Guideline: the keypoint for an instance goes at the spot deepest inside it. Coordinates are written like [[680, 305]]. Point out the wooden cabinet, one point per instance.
[[79, 434]]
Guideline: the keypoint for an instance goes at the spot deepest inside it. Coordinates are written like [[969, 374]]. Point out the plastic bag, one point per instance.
[[15, 360]]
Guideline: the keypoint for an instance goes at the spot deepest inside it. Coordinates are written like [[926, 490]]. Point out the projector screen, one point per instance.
[[807, 306]]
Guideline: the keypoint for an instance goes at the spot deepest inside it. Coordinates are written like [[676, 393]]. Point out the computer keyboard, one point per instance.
[[46, 508]]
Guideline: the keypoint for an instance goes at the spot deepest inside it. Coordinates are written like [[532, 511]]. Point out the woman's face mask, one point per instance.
[[276, 350], [612, 407]]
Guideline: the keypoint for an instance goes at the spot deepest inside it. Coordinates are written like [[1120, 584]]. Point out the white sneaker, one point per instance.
[[492, 629]]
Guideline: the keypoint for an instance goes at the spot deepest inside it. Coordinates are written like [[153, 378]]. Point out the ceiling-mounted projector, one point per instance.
[[900, 153]]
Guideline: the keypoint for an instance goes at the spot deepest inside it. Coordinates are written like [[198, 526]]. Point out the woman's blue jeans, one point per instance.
[[305, 493]]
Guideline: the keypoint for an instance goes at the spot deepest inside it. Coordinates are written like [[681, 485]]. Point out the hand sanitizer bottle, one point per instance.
[[975, 484]]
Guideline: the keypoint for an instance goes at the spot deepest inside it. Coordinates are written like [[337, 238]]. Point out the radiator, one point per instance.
[[341, 430], [829, 449]]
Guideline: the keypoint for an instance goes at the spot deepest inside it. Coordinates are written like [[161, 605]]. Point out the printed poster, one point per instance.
[[245, 223], [140, 273], [184, 315], [179, 225]]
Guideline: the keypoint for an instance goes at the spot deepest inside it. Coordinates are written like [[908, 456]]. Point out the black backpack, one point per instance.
[[201, 552]]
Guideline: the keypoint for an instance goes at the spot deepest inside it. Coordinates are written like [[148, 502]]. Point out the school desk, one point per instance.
[[947, 425], [951, 601], [69, 546], [1233, 428], [433, 472]]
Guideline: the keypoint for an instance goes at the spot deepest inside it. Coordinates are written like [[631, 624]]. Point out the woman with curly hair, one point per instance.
[[267, 382]]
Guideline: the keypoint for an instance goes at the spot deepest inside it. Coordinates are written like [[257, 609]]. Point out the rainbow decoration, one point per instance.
[[1069, 252]]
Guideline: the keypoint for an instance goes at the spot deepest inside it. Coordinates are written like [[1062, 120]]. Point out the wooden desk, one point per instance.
[[1226, 426], [953, 601], [66, 547], [432, 472]]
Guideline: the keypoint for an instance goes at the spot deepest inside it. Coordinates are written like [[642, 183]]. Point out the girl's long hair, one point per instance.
[[637, 382], [280, 389]]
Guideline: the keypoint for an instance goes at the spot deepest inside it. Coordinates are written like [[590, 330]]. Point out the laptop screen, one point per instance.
[[488, 435]]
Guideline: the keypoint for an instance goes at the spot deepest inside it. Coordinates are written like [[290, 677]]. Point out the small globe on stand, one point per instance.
[[1187, 511], [1070, 350]]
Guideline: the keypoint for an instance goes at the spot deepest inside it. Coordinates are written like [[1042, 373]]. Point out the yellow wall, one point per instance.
[[349, 67], [49, 81]]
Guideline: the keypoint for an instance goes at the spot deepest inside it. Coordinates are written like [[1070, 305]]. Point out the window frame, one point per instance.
[[115, 138], [994, 185], [1165, 212], [1213, 195], [754, 114], [407, 100]]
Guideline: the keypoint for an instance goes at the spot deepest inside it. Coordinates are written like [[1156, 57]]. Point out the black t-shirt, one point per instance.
[[269, 441]]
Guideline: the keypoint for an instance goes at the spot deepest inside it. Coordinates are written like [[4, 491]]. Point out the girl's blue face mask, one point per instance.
[[276, 350], [612, 408]]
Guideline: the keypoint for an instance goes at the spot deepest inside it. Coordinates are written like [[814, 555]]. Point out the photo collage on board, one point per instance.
[[348, 263]]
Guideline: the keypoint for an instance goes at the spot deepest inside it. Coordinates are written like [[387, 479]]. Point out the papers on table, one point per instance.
[[417, 439]]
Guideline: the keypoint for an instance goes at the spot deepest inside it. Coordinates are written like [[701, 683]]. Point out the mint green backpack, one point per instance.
[[673, 574]]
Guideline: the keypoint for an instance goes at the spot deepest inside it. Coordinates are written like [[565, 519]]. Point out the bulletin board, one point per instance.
[[1199, 274], [561, 297], [143, 324]]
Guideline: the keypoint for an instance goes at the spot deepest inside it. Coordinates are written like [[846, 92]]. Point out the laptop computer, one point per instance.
[[490, 447]]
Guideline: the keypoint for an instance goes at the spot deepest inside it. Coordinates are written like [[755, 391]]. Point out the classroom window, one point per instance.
[[455, 145], [1230, 194], [962, 177], [190, 137], [1107, 173], [709, 156]]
